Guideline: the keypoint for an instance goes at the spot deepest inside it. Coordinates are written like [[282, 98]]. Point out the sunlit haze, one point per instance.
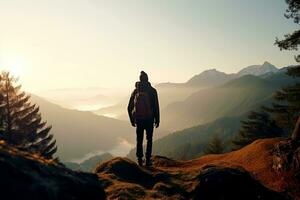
[[78, 44]]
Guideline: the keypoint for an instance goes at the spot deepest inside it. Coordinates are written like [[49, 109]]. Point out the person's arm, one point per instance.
[[130, 108], [156, 110]]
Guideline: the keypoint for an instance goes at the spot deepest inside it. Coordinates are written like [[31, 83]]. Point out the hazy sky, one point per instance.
[[81, 43]]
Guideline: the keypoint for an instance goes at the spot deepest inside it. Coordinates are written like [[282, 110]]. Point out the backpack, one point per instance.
[[142, 106]]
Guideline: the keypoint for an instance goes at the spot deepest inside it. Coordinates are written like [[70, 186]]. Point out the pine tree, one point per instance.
[[291, 41], [215, 146], [287, 107], [21, 121], [257, 125]]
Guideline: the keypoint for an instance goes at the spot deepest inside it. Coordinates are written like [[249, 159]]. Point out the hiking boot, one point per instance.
[[140, 162], [148, 163]]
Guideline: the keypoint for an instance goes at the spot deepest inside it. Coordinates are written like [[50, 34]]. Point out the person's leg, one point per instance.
[[139, 142], [149, 136]]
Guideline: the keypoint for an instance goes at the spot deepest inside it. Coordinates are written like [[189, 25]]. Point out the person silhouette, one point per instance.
[[143, 111]]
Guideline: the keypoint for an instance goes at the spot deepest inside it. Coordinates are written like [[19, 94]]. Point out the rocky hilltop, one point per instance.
[[250, 173]]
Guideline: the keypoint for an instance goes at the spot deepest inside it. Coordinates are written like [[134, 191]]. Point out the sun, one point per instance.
[[15, 67], [16, 70]]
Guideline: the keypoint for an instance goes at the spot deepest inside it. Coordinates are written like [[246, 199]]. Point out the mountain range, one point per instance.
[[174, 92], [80, 133], [213, 77], [215, 111], [230, 99], [234, 97]]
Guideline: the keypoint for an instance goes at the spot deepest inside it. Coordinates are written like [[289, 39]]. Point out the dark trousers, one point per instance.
[[141, 126]]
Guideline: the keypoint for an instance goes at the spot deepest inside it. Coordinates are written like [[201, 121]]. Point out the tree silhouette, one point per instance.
[[215, 146], [22, 124], [291, 41], [287, 108], [257, 125]]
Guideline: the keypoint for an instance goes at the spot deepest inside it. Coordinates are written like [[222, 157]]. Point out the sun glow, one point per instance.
[[16, 70], [14, 66]]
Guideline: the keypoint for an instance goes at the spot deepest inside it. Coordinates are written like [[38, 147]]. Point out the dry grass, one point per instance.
[[180, 176]]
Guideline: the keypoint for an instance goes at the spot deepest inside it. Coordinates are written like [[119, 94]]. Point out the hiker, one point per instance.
[[143, 111]]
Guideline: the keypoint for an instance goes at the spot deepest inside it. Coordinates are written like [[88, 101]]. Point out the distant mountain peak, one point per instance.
[[211, 72], [209, 77], [258, 70], [267, 63]]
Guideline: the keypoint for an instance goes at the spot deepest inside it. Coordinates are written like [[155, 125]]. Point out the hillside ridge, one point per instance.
[[243, 174], [28, 176]]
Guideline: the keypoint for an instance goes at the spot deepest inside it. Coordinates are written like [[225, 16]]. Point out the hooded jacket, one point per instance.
[[145, 86]]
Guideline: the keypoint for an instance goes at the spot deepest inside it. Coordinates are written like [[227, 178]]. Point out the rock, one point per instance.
[[223, 183], [130, 181], [26, 176], [128, 171]]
